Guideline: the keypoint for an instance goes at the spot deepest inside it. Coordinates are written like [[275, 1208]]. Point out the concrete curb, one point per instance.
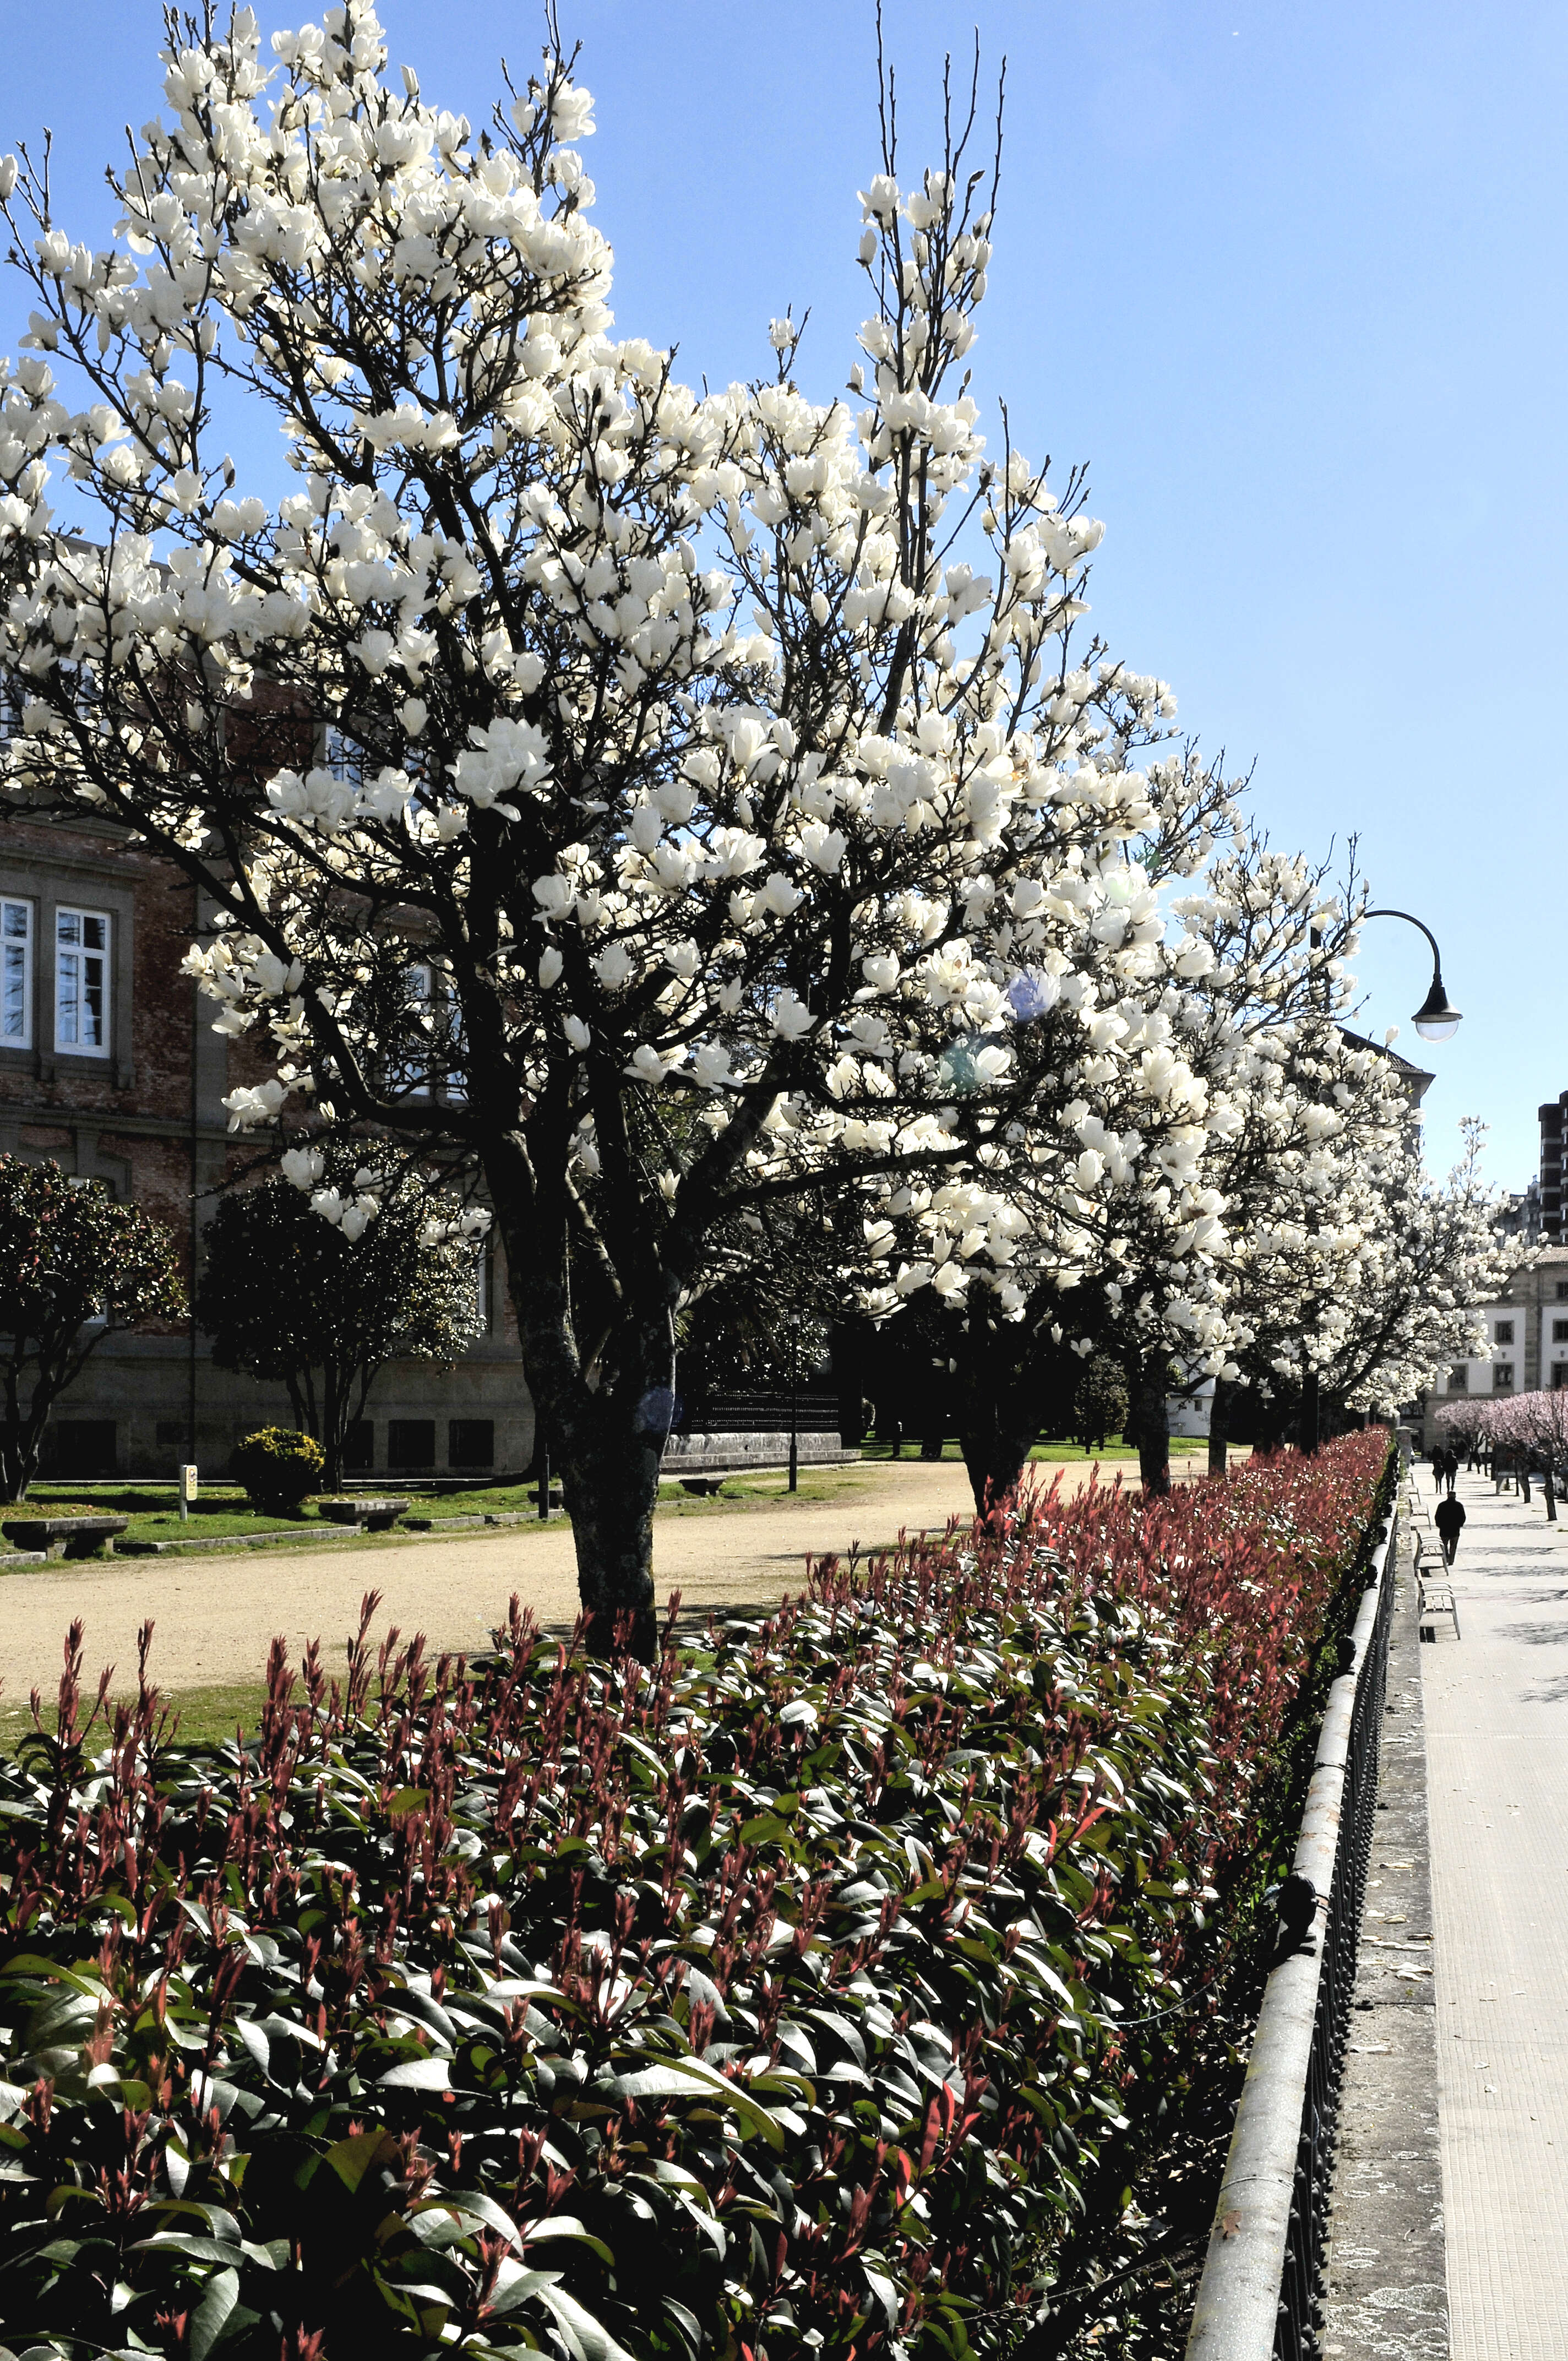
[[1386, 2294], [1240, 2297]]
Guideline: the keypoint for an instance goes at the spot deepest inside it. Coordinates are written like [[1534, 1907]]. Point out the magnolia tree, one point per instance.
[[653, 804], [1383, 1289], [1111, 1211]]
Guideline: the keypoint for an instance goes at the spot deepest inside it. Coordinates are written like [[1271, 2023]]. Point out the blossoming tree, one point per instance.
[[652, 803]]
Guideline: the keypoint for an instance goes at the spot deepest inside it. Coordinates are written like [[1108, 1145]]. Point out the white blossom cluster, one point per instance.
[[665, 801]]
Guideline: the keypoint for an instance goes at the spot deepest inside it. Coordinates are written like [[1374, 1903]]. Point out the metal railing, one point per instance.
[[1261, 2295]]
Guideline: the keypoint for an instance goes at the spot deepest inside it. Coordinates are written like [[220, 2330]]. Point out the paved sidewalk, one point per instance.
[[1496, 1720]]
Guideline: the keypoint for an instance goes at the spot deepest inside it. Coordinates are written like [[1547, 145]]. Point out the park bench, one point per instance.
[[1434, 1597], [368, 1514], [64, 1537]]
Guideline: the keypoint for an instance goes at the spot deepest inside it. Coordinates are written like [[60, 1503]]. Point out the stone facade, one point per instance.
[[1528, 1330], [109, 1066]]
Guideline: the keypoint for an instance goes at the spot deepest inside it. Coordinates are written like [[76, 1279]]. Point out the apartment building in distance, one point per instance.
[[1553, 1119], [1526, 1328], [109, 1066]]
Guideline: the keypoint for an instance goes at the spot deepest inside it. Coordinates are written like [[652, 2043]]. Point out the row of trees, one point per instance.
[[1534, 1424], [284, 1297], [738, 835]]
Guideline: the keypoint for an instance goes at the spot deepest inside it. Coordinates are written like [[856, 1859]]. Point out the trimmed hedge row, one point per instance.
[[780, 1997]]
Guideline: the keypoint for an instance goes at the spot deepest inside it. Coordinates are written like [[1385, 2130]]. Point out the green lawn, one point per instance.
[[207, 1717], [221, 1511]]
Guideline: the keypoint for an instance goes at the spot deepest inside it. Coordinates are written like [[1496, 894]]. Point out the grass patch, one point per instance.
[[208, 1716], [221, 1514]]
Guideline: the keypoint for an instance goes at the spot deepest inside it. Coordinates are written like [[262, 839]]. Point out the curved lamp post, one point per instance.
[[1434, 1020]]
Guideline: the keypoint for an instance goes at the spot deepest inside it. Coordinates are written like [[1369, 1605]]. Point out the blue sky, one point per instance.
[[1289, 279]]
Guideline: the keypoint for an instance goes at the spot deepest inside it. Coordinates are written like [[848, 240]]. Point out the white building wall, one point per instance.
[[1503, 1371]]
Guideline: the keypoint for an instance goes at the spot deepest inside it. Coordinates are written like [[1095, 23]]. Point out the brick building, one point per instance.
[[109, 1067]]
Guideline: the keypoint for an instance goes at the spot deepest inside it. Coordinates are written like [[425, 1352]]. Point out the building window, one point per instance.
[[82, 983], [431, 1013], [79, 1447], [360, 1447], [16, 974], [470, 1443], [1502, 1377], [411, 1442], [1503, 1334], [1459, 1379], [1562, 1291], [1559, 1376], [1559, 1331]]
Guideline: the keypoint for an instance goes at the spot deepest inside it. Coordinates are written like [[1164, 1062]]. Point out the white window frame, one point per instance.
[[80, 951], [424, 1078], [9, 903]]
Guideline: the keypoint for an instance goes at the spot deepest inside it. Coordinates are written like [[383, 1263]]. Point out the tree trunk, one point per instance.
[[19, 1459], [608, 1443], [331, 1438], [1154, 1424], [999, 1411], [996, 1451], [609, 1487], [1220, 1425], [1307, 1426]]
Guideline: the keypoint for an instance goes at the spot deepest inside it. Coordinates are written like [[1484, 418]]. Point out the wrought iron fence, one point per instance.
[[1261, 2296]]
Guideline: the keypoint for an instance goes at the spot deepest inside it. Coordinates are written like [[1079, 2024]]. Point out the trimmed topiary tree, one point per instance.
[[74, 1264], [279, 1469]]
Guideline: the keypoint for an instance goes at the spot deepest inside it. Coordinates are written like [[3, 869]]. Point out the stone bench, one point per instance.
[[370, 1515], [64, 1537]]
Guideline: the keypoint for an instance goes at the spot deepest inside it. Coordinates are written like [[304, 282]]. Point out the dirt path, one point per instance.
[[216, 1615]]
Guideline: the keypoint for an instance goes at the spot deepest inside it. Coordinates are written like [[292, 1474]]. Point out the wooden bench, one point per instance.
[[1434, 1597]]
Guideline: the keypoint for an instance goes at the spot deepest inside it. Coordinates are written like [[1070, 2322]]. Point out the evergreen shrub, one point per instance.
[[279, 1469], [795, 1994]]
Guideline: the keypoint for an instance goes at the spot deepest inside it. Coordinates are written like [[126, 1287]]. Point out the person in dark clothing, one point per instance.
[[1449, 1518], [1451, 1471], [1439, 1461]]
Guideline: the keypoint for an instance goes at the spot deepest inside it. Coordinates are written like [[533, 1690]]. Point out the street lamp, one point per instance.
[[1434, 1020]]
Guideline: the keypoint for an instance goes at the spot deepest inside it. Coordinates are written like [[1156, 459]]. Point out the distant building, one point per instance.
[[1526, 1328], [1522, 1217], [1553, 1165]]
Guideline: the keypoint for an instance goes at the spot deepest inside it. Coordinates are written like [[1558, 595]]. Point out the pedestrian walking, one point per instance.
[[1439, 1461], [1449, 1518], [1451, 1470]]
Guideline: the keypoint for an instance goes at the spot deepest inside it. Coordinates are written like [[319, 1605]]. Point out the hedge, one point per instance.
[[783, 1997]]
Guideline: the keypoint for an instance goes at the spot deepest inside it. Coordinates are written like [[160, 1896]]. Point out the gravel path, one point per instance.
[[216, 1615]]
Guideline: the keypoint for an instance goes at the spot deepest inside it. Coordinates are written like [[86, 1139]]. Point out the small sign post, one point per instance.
[[187, 1493]]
